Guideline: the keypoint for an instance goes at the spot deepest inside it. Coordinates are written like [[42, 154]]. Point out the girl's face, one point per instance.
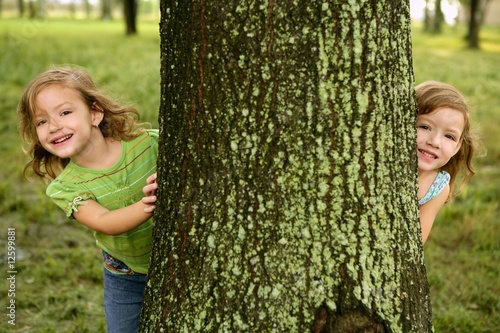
[[64, 122], [438, 137]]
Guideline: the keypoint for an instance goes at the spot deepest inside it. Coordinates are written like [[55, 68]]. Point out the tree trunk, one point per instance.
[[106, 13], [438, 18], [427, 17], [31, 8], [130, 14], [474, 20], [20, 6], [477, 11], [287, 170]]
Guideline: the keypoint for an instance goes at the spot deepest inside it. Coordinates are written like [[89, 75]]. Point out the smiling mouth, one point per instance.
[[67, 137], [426, 153]]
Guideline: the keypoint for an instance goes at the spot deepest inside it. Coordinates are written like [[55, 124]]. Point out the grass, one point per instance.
[[59, 278]]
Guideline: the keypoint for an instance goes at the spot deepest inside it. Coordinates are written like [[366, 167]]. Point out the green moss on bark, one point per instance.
[[287, 174]]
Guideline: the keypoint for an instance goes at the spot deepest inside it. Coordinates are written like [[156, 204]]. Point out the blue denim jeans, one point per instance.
[[123, 294]]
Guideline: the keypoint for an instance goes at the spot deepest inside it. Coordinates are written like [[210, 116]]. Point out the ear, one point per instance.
[[97, 114]]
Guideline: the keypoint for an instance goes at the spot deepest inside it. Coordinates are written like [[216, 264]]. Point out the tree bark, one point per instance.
[[438, 18], [106, 12], [477, 11], [427, 17], [473, 36], [20, 6], [287, 170], [130, 14]]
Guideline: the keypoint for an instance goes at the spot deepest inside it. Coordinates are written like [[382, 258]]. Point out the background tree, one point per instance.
[[438, 17], [36, 9], [21, 7], [130, 14], [287, 170], [106, 12], [477, 10], [433, 16]]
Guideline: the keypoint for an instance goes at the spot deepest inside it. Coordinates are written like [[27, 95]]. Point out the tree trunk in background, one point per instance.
[[474, 20], [438, 18], [32, 9], [106, 10], [20, 6], [130, 14], [427, 17], [287, 170], [36, 9], [433, 18], [477, 11]]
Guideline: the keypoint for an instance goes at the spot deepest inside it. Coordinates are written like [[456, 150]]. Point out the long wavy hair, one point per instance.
[[119, 122], [433, 95]]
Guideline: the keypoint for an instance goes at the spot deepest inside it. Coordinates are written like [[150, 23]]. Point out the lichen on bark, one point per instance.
[[287, 173]]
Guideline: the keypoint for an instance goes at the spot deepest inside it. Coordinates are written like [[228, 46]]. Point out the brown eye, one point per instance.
[[451, 137]]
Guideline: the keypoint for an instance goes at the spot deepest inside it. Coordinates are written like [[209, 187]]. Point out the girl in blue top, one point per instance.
[[445, 147]]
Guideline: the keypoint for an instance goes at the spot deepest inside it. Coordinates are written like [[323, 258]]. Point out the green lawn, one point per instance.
[[58, 279]]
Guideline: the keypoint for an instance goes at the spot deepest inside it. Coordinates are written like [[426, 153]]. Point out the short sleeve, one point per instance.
[[155, 135], [68, 196]]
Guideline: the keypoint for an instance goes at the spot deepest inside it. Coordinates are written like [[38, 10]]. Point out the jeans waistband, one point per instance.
[[116, 266]]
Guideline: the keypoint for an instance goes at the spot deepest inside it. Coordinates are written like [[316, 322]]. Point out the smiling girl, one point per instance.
[[97, 159], [445, 147]]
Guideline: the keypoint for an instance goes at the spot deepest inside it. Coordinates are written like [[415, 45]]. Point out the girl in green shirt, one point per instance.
[[97, 159]]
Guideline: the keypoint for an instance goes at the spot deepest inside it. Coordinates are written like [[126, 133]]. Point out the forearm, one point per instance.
[[124, 219], [112, 222]]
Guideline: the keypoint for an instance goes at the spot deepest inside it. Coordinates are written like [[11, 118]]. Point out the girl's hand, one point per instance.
[[149, 193]]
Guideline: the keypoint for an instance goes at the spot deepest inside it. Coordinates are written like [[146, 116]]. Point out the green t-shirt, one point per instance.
[[115, 187]]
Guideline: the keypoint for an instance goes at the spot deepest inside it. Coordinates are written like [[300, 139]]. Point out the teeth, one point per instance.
[[62, 139], [428, 154]]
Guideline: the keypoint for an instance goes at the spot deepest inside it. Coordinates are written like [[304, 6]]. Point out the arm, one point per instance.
[[429, 211], [149, 193], [112, 222]]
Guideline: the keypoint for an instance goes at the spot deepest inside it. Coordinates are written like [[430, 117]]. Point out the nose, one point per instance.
[[434, 140], [54, 125]]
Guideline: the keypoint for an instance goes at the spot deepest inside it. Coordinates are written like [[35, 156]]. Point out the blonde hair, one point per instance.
[[119, 122], [432, 95]]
